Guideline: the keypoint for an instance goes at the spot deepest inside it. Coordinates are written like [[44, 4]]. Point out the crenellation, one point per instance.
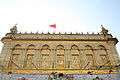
[[60, 36]]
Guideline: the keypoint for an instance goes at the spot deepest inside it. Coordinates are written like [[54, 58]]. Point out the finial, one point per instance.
[[48, 32], [98, 33], [92, 32], [42, 32], [87, 32], [37, 32], [16, 24], [70, 32], [65, 33], [82, 33], [76, 33], [59, 33], [102, 27], [25, 32]]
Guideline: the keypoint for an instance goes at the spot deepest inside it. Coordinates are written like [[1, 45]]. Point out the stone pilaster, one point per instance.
[[23, 57], [36, 58], [83, 58], [113, 56], [52, 60], [7, 55]]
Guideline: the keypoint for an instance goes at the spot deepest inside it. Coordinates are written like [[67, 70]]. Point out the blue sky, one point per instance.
[[69, 15]]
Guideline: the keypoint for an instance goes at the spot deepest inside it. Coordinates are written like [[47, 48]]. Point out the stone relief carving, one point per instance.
[[60, 61]]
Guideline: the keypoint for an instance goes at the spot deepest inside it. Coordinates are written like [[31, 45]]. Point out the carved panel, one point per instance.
[[90, 61], [29, 62], [15, 61], [45, 62], [75, 62], [103, 59], [60, 62], [103, 55]]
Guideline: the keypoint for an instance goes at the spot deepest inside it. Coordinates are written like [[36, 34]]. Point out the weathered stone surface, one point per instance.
[[29, 54]]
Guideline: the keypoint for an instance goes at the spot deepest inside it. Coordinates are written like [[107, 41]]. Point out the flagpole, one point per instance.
[[55, 26]]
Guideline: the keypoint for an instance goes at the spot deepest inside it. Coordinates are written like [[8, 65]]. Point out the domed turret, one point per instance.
[[103, 30], [14, 29]]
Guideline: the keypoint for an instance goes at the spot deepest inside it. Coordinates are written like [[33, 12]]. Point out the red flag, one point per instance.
[[53, 25]]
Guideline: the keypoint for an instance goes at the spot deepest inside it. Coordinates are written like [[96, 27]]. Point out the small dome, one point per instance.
[[14, 29]]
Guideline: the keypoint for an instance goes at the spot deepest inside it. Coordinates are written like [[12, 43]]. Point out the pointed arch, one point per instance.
[[89, 57], [17, 46], [30, 47], [15, 61], [60, 61], [101, 47], [29, 57], [88, 47], [75, 54], [59, 47], [45, 52], [103, 55], [74, 47], [44, 47]]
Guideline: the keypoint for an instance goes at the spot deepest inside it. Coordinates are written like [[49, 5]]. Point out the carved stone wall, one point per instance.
[[44, 53]]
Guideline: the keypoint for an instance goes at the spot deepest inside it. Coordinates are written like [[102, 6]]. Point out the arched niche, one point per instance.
[[29, 63], [60, 61], [17, 49], [75, 58], [89, 57], [15, 61], [45, 52], [45, 49], [103, 55]]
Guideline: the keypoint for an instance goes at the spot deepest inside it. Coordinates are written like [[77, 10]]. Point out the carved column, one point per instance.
[[52, 59], [80, 56], [36, 58], [66, 58], [83, 58], [40, 59]]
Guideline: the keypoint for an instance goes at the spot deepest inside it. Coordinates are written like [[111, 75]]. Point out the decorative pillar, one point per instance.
[[52, 59], [83, 58], [36, 58], [66, 58], [7, 54], [40, 59], [80, 56]]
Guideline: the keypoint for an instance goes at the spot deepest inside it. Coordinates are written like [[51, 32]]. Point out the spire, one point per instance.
[[103, 30], [14, 29]]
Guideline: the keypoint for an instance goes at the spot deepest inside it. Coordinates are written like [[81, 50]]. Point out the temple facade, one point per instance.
[[50, 53]]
